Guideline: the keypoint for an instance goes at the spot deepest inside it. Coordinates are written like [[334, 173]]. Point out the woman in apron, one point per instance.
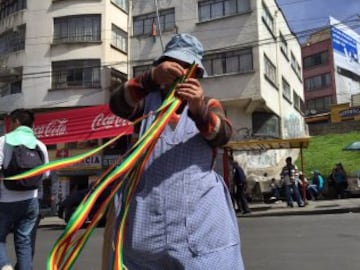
[[181, 216]]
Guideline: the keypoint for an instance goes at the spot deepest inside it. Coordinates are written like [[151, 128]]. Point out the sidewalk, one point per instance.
[[311, 208], [274, 209]]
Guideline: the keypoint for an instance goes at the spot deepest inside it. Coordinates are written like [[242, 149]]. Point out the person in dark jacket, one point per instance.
[[239, 180]]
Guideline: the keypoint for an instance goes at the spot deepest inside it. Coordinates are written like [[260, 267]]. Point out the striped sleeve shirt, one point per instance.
[[127, 102]]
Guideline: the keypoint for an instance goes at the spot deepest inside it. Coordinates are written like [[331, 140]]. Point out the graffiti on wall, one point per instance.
[[293, 127]]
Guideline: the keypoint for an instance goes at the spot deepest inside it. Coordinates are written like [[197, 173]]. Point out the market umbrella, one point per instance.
[[354, 146]]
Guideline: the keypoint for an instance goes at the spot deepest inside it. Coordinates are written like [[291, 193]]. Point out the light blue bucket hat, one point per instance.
[[186, 48]]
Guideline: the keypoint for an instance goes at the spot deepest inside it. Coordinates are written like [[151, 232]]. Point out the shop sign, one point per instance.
[[109, 160], [89, 163]]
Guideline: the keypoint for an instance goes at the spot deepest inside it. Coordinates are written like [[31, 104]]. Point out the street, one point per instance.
[[321, 242]]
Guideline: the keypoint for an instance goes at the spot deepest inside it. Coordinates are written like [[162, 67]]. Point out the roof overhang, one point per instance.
[[268, 144]]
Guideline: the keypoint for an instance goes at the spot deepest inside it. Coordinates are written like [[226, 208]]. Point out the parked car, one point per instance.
[[67, 207]]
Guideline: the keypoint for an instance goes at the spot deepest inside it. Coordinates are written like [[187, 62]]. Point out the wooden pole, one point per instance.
[[226, 167], [302, 175]]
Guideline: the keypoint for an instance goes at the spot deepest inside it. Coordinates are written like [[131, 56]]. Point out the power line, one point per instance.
[[180, 20], [256, 43]]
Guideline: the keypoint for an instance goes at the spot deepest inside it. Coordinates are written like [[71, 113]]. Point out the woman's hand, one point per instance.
[[193, 93], [166, 73]]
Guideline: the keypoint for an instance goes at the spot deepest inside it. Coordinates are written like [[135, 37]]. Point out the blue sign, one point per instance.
[[344, 44]]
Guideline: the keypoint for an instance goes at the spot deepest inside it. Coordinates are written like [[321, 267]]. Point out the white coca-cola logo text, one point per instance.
[[102, 121], [56, 127]]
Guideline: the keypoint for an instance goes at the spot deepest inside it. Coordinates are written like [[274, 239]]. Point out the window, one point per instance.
[[348, 73], [321, 58], [76, 73], [319, 104], [318, 82], [11, 88], [117, 79], [144, 24], [12, 41], [119, 38], [266, 125], [297, 101], [137, 70], [283, 45], [270, 70], [8, 7], [268, 19], [298, 70], [239, 61], [123, 4], [82, 28], [286, 90], [212, 9], [293, 61], [295, 66]]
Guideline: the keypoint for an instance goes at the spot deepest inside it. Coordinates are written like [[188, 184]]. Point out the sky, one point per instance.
[[309, 14]]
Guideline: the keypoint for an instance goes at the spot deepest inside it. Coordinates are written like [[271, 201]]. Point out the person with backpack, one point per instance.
[[20, 151]]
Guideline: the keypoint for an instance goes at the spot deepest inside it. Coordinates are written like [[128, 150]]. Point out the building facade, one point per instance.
[[331, 69]]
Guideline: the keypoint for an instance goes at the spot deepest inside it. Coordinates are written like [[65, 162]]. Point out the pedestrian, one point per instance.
[[34, 230], [19, 209], [316, 186], [181, 215], [288, 178], [275, 190], [339, 177], [239, 179]]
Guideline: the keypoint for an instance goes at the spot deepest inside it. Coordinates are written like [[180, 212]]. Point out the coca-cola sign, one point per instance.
[[54, 128], [106, 121], [79, 124]]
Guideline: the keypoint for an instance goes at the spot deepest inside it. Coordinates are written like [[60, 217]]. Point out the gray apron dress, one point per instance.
[[181, 216]]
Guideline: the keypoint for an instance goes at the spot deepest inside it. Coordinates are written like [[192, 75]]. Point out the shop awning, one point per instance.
[[79, 124], [268, 144]]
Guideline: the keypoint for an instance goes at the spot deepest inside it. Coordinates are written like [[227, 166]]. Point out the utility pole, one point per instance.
[[129, 28], [158, 23]]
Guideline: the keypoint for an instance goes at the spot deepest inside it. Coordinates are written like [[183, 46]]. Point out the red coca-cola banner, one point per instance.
[[79, 124]]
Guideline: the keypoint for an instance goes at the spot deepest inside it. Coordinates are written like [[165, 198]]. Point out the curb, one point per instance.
[[302, 212]]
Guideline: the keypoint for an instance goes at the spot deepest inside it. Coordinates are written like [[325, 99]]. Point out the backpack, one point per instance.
[[23, 159]]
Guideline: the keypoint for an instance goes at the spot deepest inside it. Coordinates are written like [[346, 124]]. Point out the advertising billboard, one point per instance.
[[346, 47]]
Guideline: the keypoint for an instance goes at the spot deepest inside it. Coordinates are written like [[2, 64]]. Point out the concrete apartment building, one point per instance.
[[331, 63], [253, 61], [61, 55]]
